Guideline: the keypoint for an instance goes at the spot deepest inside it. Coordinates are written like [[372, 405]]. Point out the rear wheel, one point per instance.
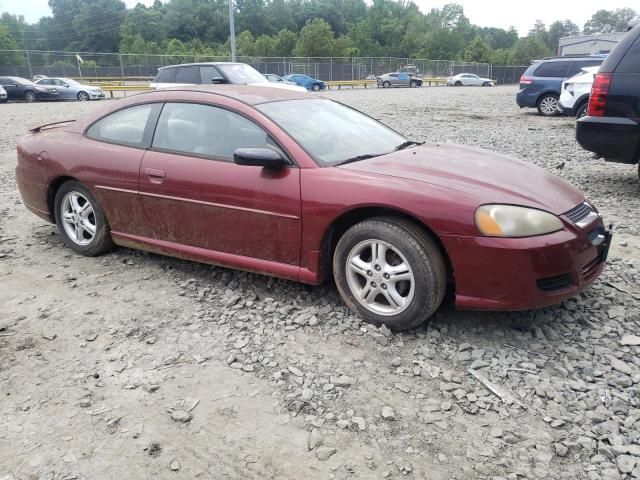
[[30, 96], [80, 220], [83, 96], [548, 105], [582, 110], [386, 84], [389, 272]]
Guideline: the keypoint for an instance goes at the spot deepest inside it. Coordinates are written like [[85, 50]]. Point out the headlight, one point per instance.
[[513, 221]]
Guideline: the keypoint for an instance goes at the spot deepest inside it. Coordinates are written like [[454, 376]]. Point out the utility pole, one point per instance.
[[232, 28]]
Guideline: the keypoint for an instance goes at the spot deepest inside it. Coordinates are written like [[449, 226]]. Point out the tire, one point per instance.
[[65, 207], [315, 87], [486, 84], [548, 105], [386, 84], [413, 84], [30, 96], [582, 110], [419, 292], [83, 96], [457, 84]]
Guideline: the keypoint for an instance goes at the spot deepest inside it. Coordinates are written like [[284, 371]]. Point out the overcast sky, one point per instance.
[[486, 13]]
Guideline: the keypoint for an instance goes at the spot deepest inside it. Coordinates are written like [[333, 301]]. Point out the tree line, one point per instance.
[[279, 28]]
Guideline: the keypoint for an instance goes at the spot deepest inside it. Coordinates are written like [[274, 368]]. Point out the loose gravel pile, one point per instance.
[[133, 365]]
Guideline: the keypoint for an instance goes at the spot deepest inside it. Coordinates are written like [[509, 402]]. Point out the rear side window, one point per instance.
[[188, 75], [165, 75], [208, 72], [205, 130], [576, 67], [552, 69], [630, 62], [126, 127]]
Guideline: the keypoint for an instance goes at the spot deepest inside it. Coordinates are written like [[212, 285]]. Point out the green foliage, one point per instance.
[[528, 49], [316, 40], [478, 51], [607, 21], [8, 43], [190, 29]]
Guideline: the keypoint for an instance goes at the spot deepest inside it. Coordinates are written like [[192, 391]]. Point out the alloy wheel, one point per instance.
[[78, 218], [549, 105], [83, 96], [30, 97], [379, 277]]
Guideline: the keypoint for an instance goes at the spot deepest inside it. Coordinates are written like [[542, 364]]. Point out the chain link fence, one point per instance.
[[142, 67]]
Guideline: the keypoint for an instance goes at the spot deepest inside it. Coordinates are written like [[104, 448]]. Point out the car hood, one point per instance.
[[480, 174]]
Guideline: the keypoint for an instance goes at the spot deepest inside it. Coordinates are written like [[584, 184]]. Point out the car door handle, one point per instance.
[[153, 172], [155, 175]]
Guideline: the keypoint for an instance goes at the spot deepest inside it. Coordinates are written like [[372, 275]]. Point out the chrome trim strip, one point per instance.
[[201, 202]]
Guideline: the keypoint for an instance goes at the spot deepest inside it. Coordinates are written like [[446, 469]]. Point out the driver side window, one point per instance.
[[204, 130]]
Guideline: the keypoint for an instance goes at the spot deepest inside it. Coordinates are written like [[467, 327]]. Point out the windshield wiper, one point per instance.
[[357, 158], [407, 144]]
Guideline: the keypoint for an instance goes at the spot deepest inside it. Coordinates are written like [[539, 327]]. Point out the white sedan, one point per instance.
[[469, 79]]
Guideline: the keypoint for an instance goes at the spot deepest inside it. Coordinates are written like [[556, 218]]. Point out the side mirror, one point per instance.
[[259, 157], [218, 80]]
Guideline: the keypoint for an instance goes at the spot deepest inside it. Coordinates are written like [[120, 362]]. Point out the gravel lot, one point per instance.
[[133, 365]]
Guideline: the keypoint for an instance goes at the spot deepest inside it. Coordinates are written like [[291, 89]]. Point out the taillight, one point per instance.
[[599, 92], [526, 80]]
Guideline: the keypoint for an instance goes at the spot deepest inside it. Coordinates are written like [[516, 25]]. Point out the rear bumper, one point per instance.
[[526, 99], [615, 138], [525, 273], [33, 193]]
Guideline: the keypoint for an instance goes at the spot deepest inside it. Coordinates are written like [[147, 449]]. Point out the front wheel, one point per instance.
[[386, 84], [389, 272], [413, 84], [30, 96], [458, 84], [548, 105], [486, 84], [81, 221], [83, 96], [316, 87]]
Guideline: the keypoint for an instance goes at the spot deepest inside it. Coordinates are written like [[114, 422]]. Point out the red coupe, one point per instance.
[[301, 187]]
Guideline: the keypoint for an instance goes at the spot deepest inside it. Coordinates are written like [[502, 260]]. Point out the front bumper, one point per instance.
[[615, 138], [526, 273], [96, 96]]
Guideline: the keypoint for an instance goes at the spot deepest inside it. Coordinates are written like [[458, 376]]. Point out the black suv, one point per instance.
[[611, 127], [541, 83]]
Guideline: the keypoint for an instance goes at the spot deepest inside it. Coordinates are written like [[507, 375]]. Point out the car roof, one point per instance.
[[201, 63], [573, 58], [249, 94]]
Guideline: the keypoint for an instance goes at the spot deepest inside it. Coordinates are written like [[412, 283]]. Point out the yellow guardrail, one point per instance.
[[119, 86]]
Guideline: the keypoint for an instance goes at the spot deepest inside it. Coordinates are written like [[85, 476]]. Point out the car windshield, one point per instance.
[[241, 73], [331, 132]]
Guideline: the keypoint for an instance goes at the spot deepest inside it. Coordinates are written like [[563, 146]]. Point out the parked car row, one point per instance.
[[541, 83], [233, 73], [45, 88], [603, 92]]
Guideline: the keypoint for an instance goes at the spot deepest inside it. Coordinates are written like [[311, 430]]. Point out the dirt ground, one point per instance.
[[133, 365]]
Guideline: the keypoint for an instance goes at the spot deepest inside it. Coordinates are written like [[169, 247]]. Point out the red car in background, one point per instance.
[[305, 188]]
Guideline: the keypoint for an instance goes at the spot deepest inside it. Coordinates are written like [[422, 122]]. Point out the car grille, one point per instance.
[[580, 213], [555, 283]]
